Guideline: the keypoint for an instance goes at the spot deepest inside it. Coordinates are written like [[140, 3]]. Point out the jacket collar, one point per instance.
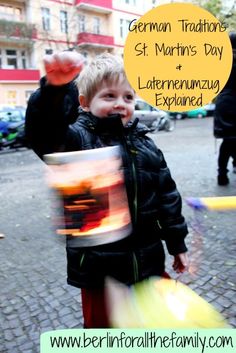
[[111, 125]]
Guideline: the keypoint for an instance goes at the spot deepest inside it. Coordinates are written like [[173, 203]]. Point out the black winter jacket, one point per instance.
[[225, 112], [154, 201]]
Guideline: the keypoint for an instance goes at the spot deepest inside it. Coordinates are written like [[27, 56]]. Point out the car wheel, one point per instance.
[[178, 116], [155, 126], [169, 126]]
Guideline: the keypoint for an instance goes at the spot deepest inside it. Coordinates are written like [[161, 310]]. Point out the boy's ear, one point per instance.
[[84, 103]]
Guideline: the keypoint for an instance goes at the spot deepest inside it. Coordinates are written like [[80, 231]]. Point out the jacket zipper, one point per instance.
[[135, 268], [131, 153], [81, 260], [135, 201], [131, 149]]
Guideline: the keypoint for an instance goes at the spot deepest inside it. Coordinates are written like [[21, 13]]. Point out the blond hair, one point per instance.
[[105, 67]]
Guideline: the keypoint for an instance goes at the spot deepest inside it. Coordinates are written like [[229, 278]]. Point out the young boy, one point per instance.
[[105, 119]]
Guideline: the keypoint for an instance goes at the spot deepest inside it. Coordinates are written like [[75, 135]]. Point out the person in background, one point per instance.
[[225, 121], [105, 119]]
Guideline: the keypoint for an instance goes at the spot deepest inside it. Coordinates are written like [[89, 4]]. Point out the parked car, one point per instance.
[[153, 118], [200, 112], [12, 127], [178, 115], [12, 114], [197, 113]]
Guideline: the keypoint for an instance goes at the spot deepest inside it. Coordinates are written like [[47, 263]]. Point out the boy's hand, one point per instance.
[[181, 262], [63, 67]]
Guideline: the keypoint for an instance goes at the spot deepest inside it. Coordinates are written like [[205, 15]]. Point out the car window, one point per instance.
[[3, 116], [141, 105], [11, 116]]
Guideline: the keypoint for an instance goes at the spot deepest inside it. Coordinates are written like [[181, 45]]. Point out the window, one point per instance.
[[27, 95], [48, 51], [121, 28], [23, 59], [46, 19], [63, 21], [124, 28], [11, 59], [10, 13], [12, 97], [82, 23], [96, 25], [130, 2]]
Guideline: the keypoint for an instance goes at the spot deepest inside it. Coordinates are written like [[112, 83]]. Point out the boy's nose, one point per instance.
[[119, 102]]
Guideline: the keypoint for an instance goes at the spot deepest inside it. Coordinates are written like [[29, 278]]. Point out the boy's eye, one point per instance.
[[129, 97], [109, 95]]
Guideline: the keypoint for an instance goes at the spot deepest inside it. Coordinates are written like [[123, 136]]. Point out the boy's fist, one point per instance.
[[62, 67], [180, 263]]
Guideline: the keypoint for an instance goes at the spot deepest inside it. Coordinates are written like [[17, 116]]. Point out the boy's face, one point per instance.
[[111, 98]]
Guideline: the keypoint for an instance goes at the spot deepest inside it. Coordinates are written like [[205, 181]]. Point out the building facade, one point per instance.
[[29, 29]]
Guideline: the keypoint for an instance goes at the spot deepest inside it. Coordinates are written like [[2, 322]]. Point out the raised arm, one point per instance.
[[54, 105]]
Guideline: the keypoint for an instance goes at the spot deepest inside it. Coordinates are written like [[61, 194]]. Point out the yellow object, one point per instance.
[[173, 67], [219, 203], [160, 303]]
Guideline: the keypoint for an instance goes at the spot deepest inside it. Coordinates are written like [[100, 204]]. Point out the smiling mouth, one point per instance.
[[121, 115]]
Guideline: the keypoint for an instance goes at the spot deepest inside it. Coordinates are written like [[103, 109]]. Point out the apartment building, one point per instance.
[[18, 75], [29, 29]]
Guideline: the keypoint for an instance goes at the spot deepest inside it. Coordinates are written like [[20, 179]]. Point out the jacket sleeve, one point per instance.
[[225, 114], [49, 112], [225, 110], [171, 220]]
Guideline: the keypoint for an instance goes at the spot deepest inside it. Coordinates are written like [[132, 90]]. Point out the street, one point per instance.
[[34, 294]]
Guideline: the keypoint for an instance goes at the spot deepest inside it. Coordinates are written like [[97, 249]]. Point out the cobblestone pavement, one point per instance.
[[34, 295]]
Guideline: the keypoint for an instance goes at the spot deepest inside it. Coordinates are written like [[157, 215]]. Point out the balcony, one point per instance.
[[11, 31], [103, 6], [19, 75], [20, 1], [86, 39]]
